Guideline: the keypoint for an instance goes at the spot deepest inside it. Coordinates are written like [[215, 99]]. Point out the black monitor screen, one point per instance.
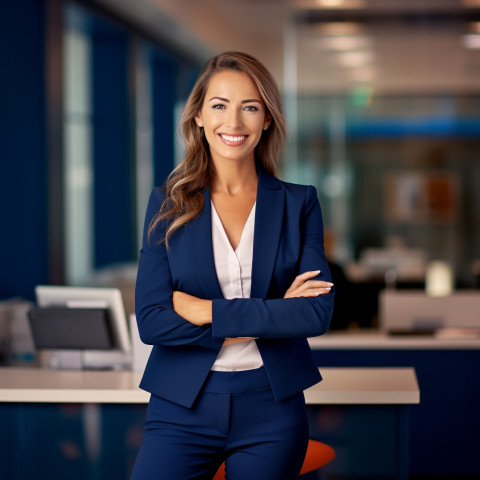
[[71, 328]]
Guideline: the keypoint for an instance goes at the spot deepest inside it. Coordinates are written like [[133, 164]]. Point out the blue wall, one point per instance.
[[114, 233], [164, 90], [23, 163]]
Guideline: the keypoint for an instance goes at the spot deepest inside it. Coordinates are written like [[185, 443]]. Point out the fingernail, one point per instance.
[[331, 284]]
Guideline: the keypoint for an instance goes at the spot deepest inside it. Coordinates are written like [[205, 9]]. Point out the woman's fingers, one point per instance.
[[306, 275], [316, 284], [302, 286], [301, 279], [311, 292]]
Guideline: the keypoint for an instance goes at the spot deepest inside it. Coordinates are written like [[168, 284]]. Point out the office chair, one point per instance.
[[318, 454]]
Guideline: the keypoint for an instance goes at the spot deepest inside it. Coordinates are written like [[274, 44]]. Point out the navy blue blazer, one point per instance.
[[288, 240]]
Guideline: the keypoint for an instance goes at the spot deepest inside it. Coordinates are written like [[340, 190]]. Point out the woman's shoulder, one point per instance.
[[294, 189], [300, 198], [158, 194], [299, 191], [155, 202], [156, 199]]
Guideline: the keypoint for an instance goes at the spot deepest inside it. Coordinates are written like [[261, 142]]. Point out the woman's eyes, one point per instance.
[[248, 108]]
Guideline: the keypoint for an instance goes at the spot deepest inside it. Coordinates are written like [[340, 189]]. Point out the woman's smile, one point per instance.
[[232, 140]]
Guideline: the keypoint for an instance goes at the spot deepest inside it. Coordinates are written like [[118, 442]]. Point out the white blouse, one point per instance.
[[234, 272]]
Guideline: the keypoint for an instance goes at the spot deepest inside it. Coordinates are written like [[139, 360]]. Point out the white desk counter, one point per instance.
[[377, 340], [371, 386], [42, 411], [339, 386], [37, 385]]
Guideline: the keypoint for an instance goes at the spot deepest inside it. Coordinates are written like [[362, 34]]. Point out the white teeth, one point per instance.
[[233, 139]]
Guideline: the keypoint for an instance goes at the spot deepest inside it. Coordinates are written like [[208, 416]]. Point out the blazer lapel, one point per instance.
[[201, 250], [268, 227]]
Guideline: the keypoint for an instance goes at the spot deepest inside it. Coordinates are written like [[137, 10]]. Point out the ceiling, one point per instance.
[[322, 46]]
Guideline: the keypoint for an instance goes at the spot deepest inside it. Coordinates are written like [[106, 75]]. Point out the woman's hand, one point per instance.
[[302, 286], [199, 312], [193, 309], [231, 341]]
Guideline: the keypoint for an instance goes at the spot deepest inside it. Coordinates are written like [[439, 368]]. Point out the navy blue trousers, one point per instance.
[[236, 420]]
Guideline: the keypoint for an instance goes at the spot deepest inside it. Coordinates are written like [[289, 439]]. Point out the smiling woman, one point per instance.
[[184, 200], [232, 279]]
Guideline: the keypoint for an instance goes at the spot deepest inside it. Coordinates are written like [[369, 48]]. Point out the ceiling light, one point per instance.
[[344, 42], [344, 4], [338, 28], [328, 4], [355, 58]]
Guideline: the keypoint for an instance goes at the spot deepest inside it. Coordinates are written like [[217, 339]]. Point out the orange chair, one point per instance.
[[318, 455]]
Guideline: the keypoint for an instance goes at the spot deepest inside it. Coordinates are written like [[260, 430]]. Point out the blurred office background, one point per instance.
[[383, 108], [382, 99]]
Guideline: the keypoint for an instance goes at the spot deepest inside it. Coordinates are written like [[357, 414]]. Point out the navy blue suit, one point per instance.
[[288, 240]]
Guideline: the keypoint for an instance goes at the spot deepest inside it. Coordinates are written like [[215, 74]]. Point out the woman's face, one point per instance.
[[233, 116]]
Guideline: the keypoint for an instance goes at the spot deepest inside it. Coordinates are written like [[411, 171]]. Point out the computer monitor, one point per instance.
[[413, 311], [118, 356]]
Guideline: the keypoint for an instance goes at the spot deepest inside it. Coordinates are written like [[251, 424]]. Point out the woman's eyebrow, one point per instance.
[[252, 100], [228, 101]]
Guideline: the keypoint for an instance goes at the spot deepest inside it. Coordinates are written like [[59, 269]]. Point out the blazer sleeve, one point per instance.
[[158, 324], [284, 317]]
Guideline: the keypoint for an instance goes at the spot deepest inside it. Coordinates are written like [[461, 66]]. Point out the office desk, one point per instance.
[[88, 424], [375, 340], [376, 386], [448, 418]]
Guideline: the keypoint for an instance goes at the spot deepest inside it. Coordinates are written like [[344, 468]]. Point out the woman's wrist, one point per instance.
[[193, 309], [204, 312]]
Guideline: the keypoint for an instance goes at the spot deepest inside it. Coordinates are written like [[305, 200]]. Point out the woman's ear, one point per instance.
[[198, 119], [267, 121]]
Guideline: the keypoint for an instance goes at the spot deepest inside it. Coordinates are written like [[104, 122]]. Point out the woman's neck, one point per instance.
[[235, 178]]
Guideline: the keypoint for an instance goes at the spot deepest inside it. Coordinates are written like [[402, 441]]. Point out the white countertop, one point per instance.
[[67, 386], [372, 386], [375, 340], [340, 386]]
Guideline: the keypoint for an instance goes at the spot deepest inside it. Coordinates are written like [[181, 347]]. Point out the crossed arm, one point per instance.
[[199, 311], [174, 318]]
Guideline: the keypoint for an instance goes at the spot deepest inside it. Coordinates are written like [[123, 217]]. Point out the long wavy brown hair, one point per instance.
[[184, 187]]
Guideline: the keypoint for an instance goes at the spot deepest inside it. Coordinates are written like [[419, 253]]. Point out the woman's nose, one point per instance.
[[234, 119]]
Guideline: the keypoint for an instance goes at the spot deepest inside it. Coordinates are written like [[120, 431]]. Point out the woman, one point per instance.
[[232, 279]]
